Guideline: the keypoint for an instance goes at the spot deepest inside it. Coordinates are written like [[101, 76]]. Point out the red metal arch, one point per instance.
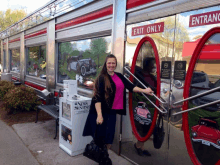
[[142, 139], [189, 74]]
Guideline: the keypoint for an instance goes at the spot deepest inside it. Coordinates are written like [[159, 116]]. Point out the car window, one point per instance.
[[198, 78], [139, 104], [208, 124], [217, 83]]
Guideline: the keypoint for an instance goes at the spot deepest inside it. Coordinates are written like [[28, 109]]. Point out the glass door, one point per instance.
[[187, 66], [148, 45], [193, 135]]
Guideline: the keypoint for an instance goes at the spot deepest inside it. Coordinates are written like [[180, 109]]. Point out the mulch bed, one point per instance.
[[22, 117]]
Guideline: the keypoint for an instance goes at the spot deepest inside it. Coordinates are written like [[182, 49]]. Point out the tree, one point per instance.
[[15, 55], [98, 47], [65, 49], [9, 17], [166, 38]]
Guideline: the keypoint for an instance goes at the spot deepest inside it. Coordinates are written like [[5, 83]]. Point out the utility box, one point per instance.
[[73, 115], [6, 76], [73, 112]]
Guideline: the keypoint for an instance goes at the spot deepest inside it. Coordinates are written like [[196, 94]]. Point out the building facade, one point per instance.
[[171, 46]]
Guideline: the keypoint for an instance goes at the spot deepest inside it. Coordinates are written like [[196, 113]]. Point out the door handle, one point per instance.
[[144, 86], [194, 108], [198, 95], [161, 111]]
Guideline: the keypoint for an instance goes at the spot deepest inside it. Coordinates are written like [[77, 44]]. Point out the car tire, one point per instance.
[[83, 70]]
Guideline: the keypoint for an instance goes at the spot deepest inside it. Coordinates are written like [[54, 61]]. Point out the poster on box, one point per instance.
[[66, 134], [66, 111]]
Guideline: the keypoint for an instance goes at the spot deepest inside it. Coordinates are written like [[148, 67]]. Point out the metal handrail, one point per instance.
[[194, 108], [198, 95], [161, 111], [145, 86]]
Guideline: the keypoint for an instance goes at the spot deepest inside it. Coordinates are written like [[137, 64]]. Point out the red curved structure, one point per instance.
[[189, 74], [143, 139]]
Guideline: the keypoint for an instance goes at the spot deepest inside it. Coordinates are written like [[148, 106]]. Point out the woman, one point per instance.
[[109, 99]]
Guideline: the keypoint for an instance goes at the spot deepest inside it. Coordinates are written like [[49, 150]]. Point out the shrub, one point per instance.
[[20, 98], [5, 86]]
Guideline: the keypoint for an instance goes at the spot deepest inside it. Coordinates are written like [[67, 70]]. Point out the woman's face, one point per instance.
[[69, 137], [111, 64]]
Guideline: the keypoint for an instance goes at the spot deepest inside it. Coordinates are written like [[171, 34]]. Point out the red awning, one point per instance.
[[209, 52]]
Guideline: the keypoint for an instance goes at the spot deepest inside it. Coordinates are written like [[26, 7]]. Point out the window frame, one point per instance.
[[81, 90], [27, 57]]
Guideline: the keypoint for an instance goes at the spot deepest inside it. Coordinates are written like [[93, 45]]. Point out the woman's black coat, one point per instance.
[[90, 125]]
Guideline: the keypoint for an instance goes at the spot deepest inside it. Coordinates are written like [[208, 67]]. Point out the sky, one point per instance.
[[28, 5]]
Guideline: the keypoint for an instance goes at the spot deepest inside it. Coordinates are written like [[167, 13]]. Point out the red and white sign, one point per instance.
[[204, 19], [148, 29]]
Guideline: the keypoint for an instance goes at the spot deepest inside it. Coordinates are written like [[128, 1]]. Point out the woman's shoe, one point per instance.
[[139, 151], [145, 152]]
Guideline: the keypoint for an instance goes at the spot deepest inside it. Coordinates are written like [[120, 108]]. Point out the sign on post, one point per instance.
[[148, 29], [165, 70], [204, 19], [179, 70]]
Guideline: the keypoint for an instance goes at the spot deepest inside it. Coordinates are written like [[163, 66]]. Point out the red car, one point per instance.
[[142, 114], [207, 132]]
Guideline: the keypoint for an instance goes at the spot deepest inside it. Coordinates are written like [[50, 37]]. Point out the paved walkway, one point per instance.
[[33, 144], [38, 137], [12, 149]]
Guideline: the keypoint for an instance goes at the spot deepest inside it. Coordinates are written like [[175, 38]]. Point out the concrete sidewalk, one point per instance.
[[12, 149], [38, 137]]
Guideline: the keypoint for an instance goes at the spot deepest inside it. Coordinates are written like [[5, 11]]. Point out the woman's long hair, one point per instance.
[[104, 73]]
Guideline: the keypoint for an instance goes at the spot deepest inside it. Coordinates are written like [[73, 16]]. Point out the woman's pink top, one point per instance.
[[119, 94]]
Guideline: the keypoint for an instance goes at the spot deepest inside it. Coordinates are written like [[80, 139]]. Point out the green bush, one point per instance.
[[20, 98], [5, 86]]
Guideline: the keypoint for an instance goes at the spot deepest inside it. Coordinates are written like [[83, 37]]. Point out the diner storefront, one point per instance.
[[171, 46]]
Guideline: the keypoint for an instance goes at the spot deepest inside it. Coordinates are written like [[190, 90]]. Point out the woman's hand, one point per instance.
[[99, 119], [148, 91], [141, 90]]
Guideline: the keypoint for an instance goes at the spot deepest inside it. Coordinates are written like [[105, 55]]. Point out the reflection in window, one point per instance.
[[146, 65], [206, 76], [15, 60], [36, 64], [145, 71], [82, 60], [215, 39]]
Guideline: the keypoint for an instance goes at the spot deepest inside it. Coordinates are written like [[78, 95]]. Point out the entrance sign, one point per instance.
[[166, 70], [180, 70], [204, 19], [148, 29]]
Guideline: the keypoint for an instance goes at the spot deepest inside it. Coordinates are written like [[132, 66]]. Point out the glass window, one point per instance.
[[36, 64], [82, 60], [15, 60]]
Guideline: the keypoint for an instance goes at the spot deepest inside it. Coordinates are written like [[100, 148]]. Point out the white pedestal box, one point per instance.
[[6, 76], [73, 115], [70, 86]]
